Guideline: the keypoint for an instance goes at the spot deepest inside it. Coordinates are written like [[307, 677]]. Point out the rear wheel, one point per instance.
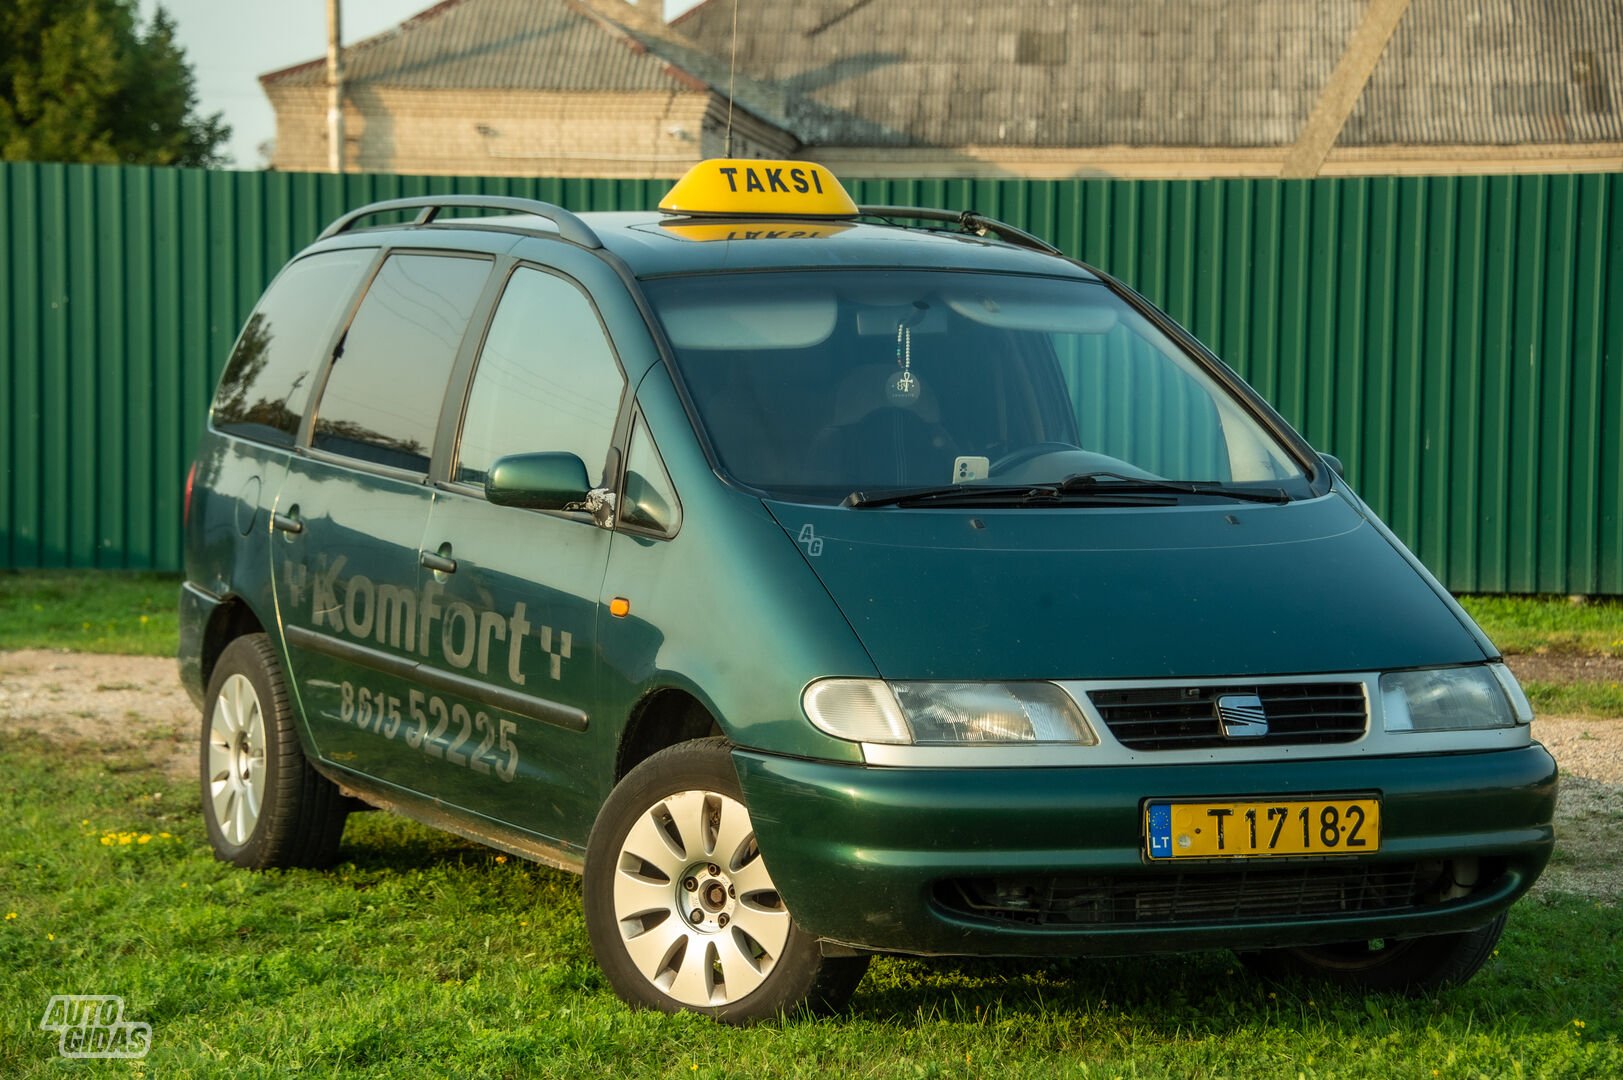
[[1409, 965], [262, 802], [681, 908]]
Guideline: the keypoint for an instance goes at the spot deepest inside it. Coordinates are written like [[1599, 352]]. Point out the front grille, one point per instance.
[[1172, 899], [1185, 717]]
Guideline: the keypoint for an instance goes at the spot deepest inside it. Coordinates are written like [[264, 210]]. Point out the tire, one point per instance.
[[1411, 965], [262, 802], [680, 908]]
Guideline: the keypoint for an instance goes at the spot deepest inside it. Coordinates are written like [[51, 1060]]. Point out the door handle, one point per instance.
[[437, 563], [286, 523]]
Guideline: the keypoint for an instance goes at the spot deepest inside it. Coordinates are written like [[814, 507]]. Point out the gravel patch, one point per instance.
[[110, 701], [136, 702], [1563, 667]]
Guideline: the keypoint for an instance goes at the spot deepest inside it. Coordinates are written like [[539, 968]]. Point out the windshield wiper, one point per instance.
[[1102, 482], [997, 495]]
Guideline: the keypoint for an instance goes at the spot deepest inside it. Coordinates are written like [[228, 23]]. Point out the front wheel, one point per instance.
[[1410, 965], [680, 907]]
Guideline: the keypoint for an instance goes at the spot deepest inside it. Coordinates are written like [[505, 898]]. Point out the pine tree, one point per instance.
[[81, 80]]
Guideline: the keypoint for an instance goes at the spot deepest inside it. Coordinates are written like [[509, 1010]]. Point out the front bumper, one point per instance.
[[873, 857]]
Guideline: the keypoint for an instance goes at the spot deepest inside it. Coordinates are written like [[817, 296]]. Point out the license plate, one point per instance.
[[1261, 827]]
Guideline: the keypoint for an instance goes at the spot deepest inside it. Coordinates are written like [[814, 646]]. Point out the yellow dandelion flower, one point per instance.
[[1577, 1023], [144, 838], [1272, 996], [50, 937], [145, 619], [106, 841], [163, 836], [183, 885], [125, 839], [501, 858], [85, 821], [10, 915]]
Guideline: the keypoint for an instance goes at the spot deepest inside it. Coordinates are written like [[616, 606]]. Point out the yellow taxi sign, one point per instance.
[[746, 186]]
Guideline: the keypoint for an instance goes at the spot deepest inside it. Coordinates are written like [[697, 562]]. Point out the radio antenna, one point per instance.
[[732, 78]]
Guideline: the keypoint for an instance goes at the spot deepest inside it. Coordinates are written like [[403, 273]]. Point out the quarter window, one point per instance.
[[267, 380], [382, 401], [547, 379], [648, 500]]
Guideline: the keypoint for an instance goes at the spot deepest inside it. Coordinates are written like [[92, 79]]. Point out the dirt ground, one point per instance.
[[1538, 667], [77, 697]]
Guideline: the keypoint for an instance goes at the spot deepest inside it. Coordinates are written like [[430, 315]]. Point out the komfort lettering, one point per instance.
[[405, 618]]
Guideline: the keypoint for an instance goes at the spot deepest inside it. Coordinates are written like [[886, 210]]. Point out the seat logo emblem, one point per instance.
[[1242, 716]]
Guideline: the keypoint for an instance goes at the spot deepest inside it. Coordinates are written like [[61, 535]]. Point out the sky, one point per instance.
[[230, 43]]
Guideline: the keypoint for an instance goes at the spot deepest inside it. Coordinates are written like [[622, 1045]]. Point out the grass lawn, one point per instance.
[[96, 611], [1554, 624], [423, 955], [1597, 700]]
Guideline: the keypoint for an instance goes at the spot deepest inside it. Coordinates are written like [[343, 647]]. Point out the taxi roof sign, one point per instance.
[[750, 187]]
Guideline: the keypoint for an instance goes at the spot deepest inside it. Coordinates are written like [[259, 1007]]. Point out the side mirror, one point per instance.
[[1335, 465], [537, 481]]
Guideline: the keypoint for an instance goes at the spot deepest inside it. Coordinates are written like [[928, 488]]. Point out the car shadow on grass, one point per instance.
[[1534, 982]]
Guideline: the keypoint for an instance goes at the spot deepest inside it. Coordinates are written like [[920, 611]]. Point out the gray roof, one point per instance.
[[1497, 73], [1200, 73], [1054, 73]]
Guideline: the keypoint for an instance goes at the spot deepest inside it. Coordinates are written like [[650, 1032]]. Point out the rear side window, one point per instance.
[[547, 379], [266, 383], [382, 399]]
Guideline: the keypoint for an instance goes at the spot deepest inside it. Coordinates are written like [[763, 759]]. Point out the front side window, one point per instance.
[[547, 379], [818, 384], [382, 400], [267, 380]]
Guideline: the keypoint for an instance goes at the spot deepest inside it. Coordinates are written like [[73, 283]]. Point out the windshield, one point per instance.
[[814, 385]]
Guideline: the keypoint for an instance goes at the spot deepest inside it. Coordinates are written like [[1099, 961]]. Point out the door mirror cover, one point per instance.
[[550, 481]]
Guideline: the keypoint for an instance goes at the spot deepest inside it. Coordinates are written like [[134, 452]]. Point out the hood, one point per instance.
[[1107, 593]]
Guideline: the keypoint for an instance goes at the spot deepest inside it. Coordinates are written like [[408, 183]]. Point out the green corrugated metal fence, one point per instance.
[[1457, 341]]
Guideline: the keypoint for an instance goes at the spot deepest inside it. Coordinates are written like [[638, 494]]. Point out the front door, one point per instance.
[[518, 590]]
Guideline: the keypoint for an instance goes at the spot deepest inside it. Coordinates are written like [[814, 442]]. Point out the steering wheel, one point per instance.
[[1028, 453]]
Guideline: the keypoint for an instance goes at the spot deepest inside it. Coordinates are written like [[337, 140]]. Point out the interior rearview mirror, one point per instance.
[[548, 481]]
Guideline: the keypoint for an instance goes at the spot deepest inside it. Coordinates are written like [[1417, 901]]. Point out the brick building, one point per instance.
[[523, 88]]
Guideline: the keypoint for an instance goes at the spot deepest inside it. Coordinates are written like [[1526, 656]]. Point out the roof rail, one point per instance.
[[967, 220], [570, 227]]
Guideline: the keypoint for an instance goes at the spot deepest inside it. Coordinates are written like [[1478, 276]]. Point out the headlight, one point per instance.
[[1453, 699], [929, 713]]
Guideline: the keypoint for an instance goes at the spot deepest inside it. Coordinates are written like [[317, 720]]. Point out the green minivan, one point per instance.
[[823, 581]]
